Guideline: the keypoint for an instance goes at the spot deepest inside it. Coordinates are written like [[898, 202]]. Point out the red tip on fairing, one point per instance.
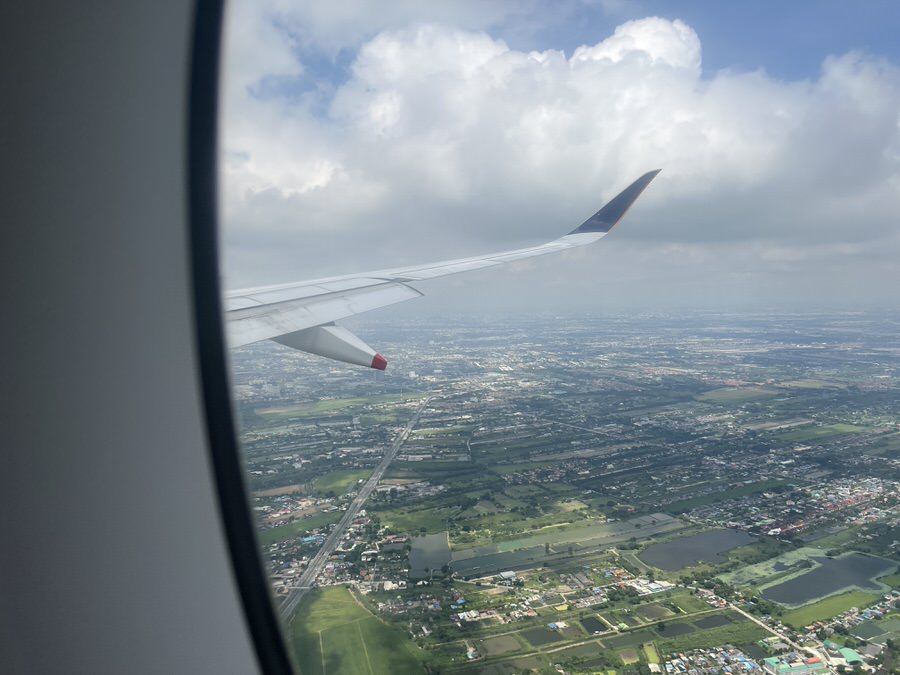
[[379, 362]]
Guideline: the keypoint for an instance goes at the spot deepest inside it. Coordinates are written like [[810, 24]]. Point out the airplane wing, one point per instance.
[[302, 315]]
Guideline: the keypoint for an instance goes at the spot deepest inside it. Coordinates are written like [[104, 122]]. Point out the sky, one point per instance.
[[358, 136]]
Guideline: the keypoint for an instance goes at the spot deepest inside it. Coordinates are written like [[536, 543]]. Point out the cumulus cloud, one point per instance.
[[443, 141]]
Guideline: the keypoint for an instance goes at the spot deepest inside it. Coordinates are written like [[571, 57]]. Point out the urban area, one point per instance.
[[584, 494]]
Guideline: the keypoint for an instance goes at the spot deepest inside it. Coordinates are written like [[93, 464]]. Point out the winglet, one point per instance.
[[607, 217]]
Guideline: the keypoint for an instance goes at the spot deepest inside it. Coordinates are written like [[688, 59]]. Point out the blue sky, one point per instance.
[[789, 40], [362, 135]]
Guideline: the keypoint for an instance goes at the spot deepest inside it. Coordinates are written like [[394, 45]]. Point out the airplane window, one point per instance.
[[674, 450]]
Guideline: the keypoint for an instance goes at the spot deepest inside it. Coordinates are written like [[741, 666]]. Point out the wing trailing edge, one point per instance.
[[302, 315]]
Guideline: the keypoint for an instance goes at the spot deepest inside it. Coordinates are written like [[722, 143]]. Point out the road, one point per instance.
[[304, 583], [784, 638]]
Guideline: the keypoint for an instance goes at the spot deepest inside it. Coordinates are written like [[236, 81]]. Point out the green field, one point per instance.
[[332, 633], [827, 608], [688, 603], [412, 519], [588, 532], [338, 481], [892, 580], [809, 383], [325, 406], [298, 527], [730, 395], [813, 433], [888, 444], [738, 634]]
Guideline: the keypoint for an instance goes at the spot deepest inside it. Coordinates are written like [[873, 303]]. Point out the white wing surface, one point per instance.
[[302, 315]]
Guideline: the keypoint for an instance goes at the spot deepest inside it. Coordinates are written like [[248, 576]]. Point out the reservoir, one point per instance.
[[687, 551], [851, 570], [428, 553]]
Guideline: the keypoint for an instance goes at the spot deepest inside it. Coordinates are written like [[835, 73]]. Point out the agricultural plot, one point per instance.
[[819, 433], [629, 656], [878, 632], [653, 612], [596, 533], [541, 636], [332, 633], [408, 519], [580, 651], [738, 633], [594, 625], [888, 445], [828, 608], [713, 621], [736, 395], [669, 630], [688, 603], [632, 639], [338, 482], [526, 664], [616, 618], [325, 407], [497, 646]]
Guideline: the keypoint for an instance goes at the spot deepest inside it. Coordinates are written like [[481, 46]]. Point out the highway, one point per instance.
[[315, 566]]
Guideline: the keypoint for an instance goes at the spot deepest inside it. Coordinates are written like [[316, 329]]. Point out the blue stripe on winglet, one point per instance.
[[606, 218]]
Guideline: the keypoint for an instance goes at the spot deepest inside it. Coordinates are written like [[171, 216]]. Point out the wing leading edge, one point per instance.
[[302, 315]]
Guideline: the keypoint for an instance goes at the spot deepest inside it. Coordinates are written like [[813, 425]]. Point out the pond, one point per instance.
[[674, 629], [541, 636], [688, 551], [594, 625], [428, 553], [712, 621], [832, 575], [492, 563]]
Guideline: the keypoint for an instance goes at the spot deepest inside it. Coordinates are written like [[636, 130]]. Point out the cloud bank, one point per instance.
[[441, 141]]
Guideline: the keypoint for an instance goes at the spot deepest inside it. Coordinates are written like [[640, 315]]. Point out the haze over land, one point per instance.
[[597, 491], [371, 138]]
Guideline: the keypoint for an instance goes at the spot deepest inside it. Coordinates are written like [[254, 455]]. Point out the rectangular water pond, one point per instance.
[[712, 621], [428, 555], [692, 550], [830, 576], [484, 565], [674, 629], [541, 636], [593, 625]]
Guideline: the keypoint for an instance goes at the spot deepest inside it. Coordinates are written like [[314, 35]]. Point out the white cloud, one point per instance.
[[444, 141]]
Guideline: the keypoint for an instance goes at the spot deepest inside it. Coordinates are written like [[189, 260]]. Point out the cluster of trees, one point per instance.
[[708, 581]]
